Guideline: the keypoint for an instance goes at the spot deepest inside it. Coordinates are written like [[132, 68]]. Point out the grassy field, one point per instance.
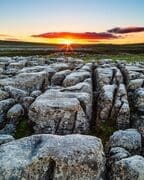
[[129, 52]]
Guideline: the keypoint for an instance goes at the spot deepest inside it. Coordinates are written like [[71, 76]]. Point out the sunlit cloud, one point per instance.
[[119, 30], [12, 39], [4, 35], [83, 36], [7, 37]]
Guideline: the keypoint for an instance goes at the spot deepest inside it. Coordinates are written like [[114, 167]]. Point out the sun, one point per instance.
[[66, 45], [67, 42]]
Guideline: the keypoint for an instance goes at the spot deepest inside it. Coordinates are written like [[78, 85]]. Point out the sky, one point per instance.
[[72, 21]]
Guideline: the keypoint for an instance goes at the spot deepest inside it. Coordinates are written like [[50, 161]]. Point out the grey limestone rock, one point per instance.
[[58, 77], [41, 157], [76, 77], [58, 113], [4, 138], [3, 95], [129, 139], [15, 112], [131, 168]]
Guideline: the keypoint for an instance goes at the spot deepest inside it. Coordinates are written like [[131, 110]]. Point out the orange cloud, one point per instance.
[[70, 35], [119, 30]]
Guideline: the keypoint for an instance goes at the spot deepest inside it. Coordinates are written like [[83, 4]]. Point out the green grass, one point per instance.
[[128, 52], [126, 57], [89, 57]]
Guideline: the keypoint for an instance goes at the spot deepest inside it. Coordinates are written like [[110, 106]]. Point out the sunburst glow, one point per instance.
[[67, 42]]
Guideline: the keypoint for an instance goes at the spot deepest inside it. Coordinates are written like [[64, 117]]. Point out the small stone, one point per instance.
[[15, 112], [131, 168], [35, 94], [129, 139], [139, 99], [27, 101], [3, 95], [16, 93], [58, 78], [76, 77]]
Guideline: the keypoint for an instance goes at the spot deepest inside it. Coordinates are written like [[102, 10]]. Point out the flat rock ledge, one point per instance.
[[41, 157]]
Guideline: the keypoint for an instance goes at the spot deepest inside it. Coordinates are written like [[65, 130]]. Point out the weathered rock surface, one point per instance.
[[4, 138], [121, 164], [139, 99], [134, 77], [59, 113], [52, 157], [6, 104], [27, 101], [16, 93], [111, 97], [117, 153], [131, 168], [76, 77], [58, 78], [130, 139], [27, 81], [3, 95], [35, 94], [15, 112]]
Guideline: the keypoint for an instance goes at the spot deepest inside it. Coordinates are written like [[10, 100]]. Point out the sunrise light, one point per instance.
[[67, 42]]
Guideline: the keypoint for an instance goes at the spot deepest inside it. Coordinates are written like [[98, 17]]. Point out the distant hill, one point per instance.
[[12, 48], [21, 43]]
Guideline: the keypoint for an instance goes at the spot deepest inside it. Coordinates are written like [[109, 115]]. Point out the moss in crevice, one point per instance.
[[105, 130], [23, 128]]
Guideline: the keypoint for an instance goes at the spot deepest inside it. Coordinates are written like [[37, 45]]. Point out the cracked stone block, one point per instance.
[[27, 81], [112, 104], [76, 77], [121, 108], [58, 77], [108, 75], [105, 102], [135, 75], [58, 113]]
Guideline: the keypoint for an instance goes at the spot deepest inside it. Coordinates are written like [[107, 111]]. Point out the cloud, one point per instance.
[[4, 35], [85, 36], [12, 39], [8, 37], [119, 30]]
